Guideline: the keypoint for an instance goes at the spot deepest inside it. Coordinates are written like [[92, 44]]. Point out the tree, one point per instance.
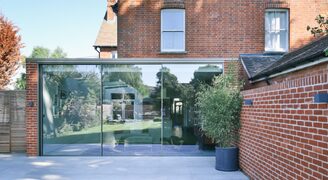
[[39, 52], [21, 81], [42, 52], [10, 44], [131, 75], [322, 28], [58, 53]]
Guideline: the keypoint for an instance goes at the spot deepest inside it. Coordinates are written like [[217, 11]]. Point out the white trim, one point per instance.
[[292, 70], [242, 62], [173, 30], [111, 21], [276, 9], [288, 32], [114, 54], [130, 60]]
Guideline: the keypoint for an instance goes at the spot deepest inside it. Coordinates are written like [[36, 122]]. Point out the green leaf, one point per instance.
[[326, 52]]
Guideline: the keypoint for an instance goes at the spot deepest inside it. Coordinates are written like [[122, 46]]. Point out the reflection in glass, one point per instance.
[[179, 85], [132, 116], [71, 121], [123, 109]]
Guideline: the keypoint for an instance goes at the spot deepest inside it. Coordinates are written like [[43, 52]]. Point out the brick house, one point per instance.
[[207, 32], [284, 130], [204, 28]]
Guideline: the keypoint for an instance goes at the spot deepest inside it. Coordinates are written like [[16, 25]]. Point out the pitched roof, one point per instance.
[[107, 35], [255, 63], [310, 52]]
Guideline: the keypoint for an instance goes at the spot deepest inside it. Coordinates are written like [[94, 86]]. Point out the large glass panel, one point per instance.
[[70, 111], [180, 83], [123, 109], [131, 110]]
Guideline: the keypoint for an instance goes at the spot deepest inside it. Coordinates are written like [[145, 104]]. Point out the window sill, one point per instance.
[[173, 52], [275, 52]]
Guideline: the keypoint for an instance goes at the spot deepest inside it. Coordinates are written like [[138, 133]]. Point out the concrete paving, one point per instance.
[[20, 167], [124, 150]]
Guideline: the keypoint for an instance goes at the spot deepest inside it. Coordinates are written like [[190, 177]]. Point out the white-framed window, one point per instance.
[[172, 30], [114, 54], [276, 30]]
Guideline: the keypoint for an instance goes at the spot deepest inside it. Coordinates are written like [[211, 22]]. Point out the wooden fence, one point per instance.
[[12, 121]]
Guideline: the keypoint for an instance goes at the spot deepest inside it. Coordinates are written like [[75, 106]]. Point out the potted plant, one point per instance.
[[219, 107]]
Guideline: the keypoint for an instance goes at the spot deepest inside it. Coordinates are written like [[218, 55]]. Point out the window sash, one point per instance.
[[173, 41], [276, 30], [172, 30]]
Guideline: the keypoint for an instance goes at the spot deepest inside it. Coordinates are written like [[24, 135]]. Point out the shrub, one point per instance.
[[219, 109]]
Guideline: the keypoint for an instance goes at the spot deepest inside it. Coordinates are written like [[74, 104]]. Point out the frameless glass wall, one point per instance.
[[116, 109], [180, 84], [71, 110], [131, 112]]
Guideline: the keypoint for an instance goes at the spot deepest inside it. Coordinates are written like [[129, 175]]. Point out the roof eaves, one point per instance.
[[105, 46], [267, 72], [242, 62], [296, 58]]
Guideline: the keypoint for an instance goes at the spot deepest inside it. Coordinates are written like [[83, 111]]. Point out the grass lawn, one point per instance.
[[111, 132], [131, 132]]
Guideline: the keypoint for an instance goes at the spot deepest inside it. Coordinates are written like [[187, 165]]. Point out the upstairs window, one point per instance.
[[114, 54], [276, 30], [173, 30]]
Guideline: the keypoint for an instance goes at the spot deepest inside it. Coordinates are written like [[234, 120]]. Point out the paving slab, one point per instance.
[[21, 167]]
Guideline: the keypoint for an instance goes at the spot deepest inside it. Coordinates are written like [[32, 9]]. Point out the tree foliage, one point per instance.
[[42, 52], [129, 74], [322, 28], [21, 82], [58, 53], [10, 44], [219, 108], [39, 52], [168, 85], [74, 95]]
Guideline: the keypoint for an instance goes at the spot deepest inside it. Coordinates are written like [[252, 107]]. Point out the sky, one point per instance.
[[70, 24]]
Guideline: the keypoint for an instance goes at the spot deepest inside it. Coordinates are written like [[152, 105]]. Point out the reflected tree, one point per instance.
[[129, 74], [205, 75], [74, 95]]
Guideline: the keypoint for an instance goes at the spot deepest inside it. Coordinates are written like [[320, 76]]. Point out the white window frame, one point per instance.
[[287, 31], [173, 30], [114, 54]]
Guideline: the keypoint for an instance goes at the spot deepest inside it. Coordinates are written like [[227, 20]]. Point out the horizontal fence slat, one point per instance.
[[12, 121]]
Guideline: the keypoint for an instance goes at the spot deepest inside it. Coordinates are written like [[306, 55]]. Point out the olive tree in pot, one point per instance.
[[219, 109]]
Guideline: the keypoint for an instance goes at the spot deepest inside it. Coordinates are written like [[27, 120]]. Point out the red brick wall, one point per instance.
[[284, 134], [106, 52], [213, 28], [31, 116]]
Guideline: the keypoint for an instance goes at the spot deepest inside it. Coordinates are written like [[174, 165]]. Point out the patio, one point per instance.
[[18, 166]]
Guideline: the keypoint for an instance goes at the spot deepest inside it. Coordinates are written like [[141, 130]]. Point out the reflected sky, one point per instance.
[[184, 72]]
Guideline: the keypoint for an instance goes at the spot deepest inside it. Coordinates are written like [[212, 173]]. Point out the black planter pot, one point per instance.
[[226, 159]]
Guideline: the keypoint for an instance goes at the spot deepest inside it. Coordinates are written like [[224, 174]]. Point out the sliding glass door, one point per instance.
[[123, 109]]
